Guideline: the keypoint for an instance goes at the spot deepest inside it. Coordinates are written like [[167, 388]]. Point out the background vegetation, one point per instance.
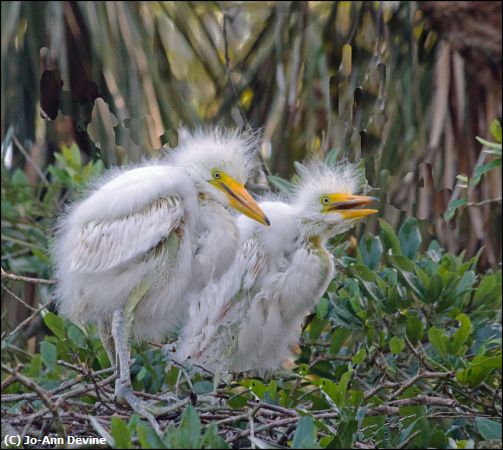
[[404, 351]]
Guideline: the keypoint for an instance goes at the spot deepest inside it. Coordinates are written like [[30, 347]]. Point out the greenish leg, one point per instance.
[[108, 341], [122, 324]]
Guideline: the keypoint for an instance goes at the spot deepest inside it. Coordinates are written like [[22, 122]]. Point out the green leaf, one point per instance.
[[478, 370], [148, 437], [56, 324], [438, 439], [281, 184], [305, 434], [203, 387], [120, 433], [188, 434], [482, 169], [488, 429], [272, 389], [237, 401], [438, 340], [406, 268], [141, 374], [255, 386], [332, 156], [49, 354], [460, 336], [35, 366], [19, 178], [339, 336], [495, 128], [410, 238], [359, 357], [453, 206], [343, 387], [367, 278], [396, 345], [322, 308], [434, 288], [76, 336], [488, 290], [346, 434], [75, 155], [490, 144], [371, 250], [487, 362], [389, 237], [211, 439], [414, 328], [300, 168]]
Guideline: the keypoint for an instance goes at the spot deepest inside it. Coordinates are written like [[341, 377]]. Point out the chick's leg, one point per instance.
[[107, 340], [122, 325], [123, 388]]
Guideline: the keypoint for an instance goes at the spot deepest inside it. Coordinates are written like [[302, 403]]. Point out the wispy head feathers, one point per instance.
[[232, 150], [317, 178]]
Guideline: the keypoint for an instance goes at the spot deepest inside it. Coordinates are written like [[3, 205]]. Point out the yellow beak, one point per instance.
[[239, 198], [347, 205]]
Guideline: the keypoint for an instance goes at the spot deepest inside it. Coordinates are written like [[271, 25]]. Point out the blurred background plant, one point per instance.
[[412, 88]]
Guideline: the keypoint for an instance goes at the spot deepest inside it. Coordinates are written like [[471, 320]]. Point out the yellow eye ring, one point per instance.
[[216, 175], [325, 200]]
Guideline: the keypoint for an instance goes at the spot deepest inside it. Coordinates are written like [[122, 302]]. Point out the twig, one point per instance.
[[11, 276], [24, 322], [19, 299], [29, 158], [53, 407], [418, 355], [425, 400], [485, 202], [418, 377]]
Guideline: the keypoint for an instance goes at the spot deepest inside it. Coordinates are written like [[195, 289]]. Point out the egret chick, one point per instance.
[[127, 255], [252, 317]]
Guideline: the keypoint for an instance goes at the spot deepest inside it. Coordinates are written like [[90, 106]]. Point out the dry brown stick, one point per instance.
[[53, 407], [16, 297], [79, 391], [379, 410], [24, 322], [371, 392], [363, 445], [425, 400], [232, 419], [62, 387], [418, 377], [485, 202], [14, 277], [11, 378], [418, 355], [276, 408], [29, 159], [279, 423]]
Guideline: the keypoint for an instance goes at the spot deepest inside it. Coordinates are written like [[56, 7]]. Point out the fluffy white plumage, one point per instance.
[[164, 224], [252, 317]]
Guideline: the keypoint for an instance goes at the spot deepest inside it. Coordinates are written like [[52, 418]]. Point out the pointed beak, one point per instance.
[[239, 198], [348, 206]]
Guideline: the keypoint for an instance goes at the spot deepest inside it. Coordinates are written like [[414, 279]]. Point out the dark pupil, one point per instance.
[[325, 200], [217, 175]]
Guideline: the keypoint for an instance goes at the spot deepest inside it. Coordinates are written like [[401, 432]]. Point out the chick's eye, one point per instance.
[[325, 200], [217, 175]]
